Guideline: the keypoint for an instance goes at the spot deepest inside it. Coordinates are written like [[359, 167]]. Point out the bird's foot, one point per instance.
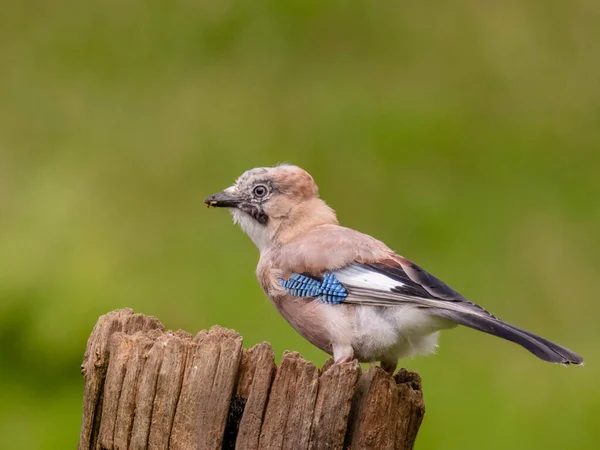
[[389, 366], [342, 354], [345, 359]]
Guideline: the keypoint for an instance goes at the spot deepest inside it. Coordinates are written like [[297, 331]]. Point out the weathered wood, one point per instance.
[[95, 363], [411, 408], [146, 392], [121, 348], [290, 409], [254, 385], [151, 389], [386, 412], [372, 422], [125, 413], [168, 388], [336, 387], [208, 384]]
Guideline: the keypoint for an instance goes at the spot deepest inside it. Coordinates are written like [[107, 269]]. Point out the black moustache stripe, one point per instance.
[[256, 213], [260, 216]]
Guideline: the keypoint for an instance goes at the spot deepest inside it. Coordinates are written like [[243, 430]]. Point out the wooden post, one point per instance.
[[147, 388]]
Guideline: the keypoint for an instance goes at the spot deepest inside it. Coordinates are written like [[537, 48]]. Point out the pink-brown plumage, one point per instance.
[[391, 307]]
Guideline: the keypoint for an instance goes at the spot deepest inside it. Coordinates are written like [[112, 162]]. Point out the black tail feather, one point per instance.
[[540, 347]]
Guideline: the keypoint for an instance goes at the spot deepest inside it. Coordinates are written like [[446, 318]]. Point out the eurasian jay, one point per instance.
[[344, 291]]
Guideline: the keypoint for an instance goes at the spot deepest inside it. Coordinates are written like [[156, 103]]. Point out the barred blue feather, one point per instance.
[[330, 290]]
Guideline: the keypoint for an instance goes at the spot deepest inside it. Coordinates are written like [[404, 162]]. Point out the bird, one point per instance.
[[346, 292]]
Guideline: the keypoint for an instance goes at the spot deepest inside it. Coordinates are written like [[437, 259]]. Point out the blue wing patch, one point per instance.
[[330, 290], [302, 286]]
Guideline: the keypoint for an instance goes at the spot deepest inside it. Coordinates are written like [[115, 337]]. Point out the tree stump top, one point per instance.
[[147, 388]]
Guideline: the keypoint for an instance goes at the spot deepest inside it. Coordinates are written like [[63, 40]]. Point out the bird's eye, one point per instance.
[[260, 191]]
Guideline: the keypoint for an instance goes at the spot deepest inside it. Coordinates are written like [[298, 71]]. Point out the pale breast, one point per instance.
[[320, 323]]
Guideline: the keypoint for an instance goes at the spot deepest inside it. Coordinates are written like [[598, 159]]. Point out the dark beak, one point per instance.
[[222, 200]]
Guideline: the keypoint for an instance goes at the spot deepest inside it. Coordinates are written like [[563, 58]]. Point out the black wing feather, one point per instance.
[[418, 287]]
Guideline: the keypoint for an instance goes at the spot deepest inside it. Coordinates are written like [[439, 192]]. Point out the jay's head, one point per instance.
[[273, 200]]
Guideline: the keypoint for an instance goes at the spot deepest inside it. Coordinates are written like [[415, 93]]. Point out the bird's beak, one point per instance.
[[224, 199]]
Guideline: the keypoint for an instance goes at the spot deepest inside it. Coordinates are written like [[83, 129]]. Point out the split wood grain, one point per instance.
[[208, 383], [411, 409], [254, 385], [150, 389], [334, 399], [95, 363], [291, 405], [168, 388]]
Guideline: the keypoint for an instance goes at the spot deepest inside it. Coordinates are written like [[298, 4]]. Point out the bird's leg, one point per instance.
[[389, 365], [342, 353]]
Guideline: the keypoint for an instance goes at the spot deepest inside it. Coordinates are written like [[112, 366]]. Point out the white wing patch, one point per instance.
[[360, 277], [366, 287]]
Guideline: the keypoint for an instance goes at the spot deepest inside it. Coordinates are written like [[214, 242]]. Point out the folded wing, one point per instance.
[[397, 281]]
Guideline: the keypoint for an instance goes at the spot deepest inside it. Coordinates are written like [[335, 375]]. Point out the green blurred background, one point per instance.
[[465, 135]]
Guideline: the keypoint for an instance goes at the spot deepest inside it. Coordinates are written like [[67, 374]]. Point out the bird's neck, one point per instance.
[[301, 218]]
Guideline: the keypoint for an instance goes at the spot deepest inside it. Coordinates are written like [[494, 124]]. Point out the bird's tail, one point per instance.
[[540, 347]]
